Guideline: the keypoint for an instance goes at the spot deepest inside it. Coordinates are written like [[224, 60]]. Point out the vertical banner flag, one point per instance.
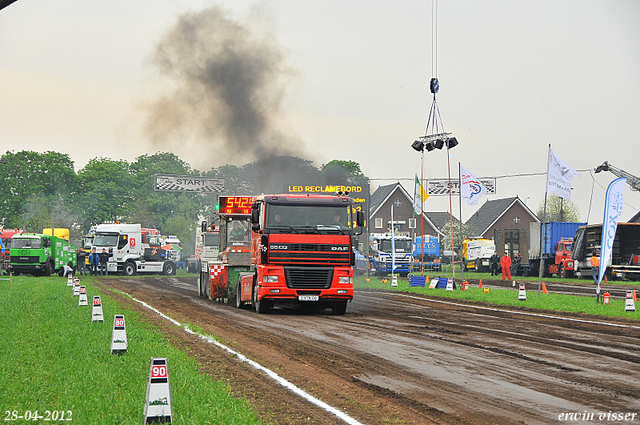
[[613, 203], [419, 196], [393, 245], [471, 190], [559, 176]]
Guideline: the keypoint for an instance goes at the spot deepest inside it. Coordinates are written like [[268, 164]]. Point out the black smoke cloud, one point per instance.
[[224, 82]]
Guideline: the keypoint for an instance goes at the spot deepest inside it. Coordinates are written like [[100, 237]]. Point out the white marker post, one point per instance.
[[629, 304], [522, 293], [157, 406], [96, 312], [76, 287], [70, 280], [83, 296], [119, 335], [449, 285]]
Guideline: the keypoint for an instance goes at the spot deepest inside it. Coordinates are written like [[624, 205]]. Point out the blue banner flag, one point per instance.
[[613, 202]]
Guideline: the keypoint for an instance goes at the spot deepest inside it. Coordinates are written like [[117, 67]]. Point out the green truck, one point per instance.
[[40, 254]]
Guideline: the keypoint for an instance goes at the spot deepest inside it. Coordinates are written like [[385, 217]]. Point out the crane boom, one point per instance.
[[632, 180]]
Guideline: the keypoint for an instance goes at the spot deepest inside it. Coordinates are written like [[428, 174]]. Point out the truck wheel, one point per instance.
[[129, 268], [239, 303], [262, 306], [565, 274], [47, 269], [169, 269], [339, 308]]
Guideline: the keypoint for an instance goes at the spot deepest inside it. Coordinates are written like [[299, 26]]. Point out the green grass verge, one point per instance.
[[472, 274], [52, 357], [506, 297]]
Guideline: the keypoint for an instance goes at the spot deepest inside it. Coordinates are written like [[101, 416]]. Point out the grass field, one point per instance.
[[497, 296], [53, 358]]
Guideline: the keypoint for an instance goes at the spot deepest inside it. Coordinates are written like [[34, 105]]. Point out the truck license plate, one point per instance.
[[308, 298]]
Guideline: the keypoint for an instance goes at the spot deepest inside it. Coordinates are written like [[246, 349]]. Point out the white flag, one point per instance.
[[471, 189], [559, 176], [613, 202]]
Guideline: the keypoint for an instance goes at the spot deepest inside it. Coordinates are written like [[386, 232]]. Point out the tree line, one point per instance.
[[41, 190]]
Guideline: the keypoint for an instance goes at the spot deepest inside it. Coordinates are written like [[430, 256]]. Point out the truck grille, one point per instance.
[[321, 254], [25, 259], [308, 277]]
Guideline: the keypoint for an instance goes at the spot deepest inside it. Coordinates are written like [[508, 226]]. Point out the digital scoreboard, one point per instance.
[[230, 205]]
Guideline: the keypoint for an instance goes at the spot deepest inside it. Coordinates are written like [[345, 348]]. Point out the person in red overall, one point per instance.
[[505, 262]]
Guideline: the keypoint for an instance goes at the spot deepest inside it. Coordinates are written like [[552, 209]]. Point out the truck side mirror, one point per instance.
[[203, 226], [359, 218], [255, 216]]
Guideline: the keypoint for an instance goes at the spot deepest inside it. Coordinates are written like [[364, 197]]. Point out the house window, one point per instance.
[[378, 223], [412, 223], [516, 219]]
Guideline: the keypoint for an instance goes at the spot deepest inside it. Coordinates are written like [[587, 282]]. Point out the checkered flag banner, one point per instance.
[[441, 187], [188, 184]]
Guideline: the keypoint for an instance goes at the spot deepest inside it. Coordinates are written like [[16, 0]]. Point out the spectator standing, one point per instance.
[[595, 266], [81, 258], [495, 260], [505, 262], [104, 257], [515, 264], [94, 258]]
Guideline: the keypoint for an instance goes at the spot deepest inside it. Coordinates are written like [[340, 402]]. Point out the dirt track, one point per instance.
[[400, 359]]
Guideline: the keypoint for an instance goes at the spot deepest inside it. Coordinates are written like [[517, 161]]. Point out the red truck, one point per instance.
[[5, 235], [302, 252]]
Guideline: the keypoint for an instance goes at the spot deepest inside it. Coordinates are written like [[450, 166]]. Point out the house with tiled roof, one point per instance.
[[506, 221], [507, 213], [403, 214]]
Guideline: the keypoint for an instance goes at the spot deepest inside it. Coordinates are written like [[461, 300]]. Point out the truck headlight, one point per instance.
[[345, 279], [270, 279]]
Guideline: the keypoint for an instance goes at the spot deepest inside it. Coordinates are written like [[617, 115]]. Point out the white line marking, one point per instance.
[[617, 325], [348, 419]]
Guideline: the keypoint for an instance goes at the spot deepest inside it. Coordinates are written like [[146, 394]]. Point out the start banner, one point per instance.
[[188, 183]]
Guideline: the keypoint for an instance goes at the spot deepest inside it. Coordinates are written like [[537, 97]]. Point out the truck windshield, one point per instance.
[[305, 219], [20, 243], [403, 245], [211, 239], [105, 240]]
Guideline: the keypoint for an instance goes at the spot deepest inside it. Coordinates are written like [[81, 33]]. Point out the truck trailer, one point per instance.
[[556, 240], [426, 254], [625, 254]]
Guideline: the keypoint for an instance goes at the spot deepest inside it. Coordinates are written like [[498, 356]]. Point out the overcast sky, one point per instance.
[[348, 80]]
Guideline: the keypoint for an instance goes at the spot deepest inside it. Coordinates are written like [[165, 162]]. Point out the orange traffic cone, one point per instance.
[[605, 279], [480, 286], [544, 288], [635, 300]]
